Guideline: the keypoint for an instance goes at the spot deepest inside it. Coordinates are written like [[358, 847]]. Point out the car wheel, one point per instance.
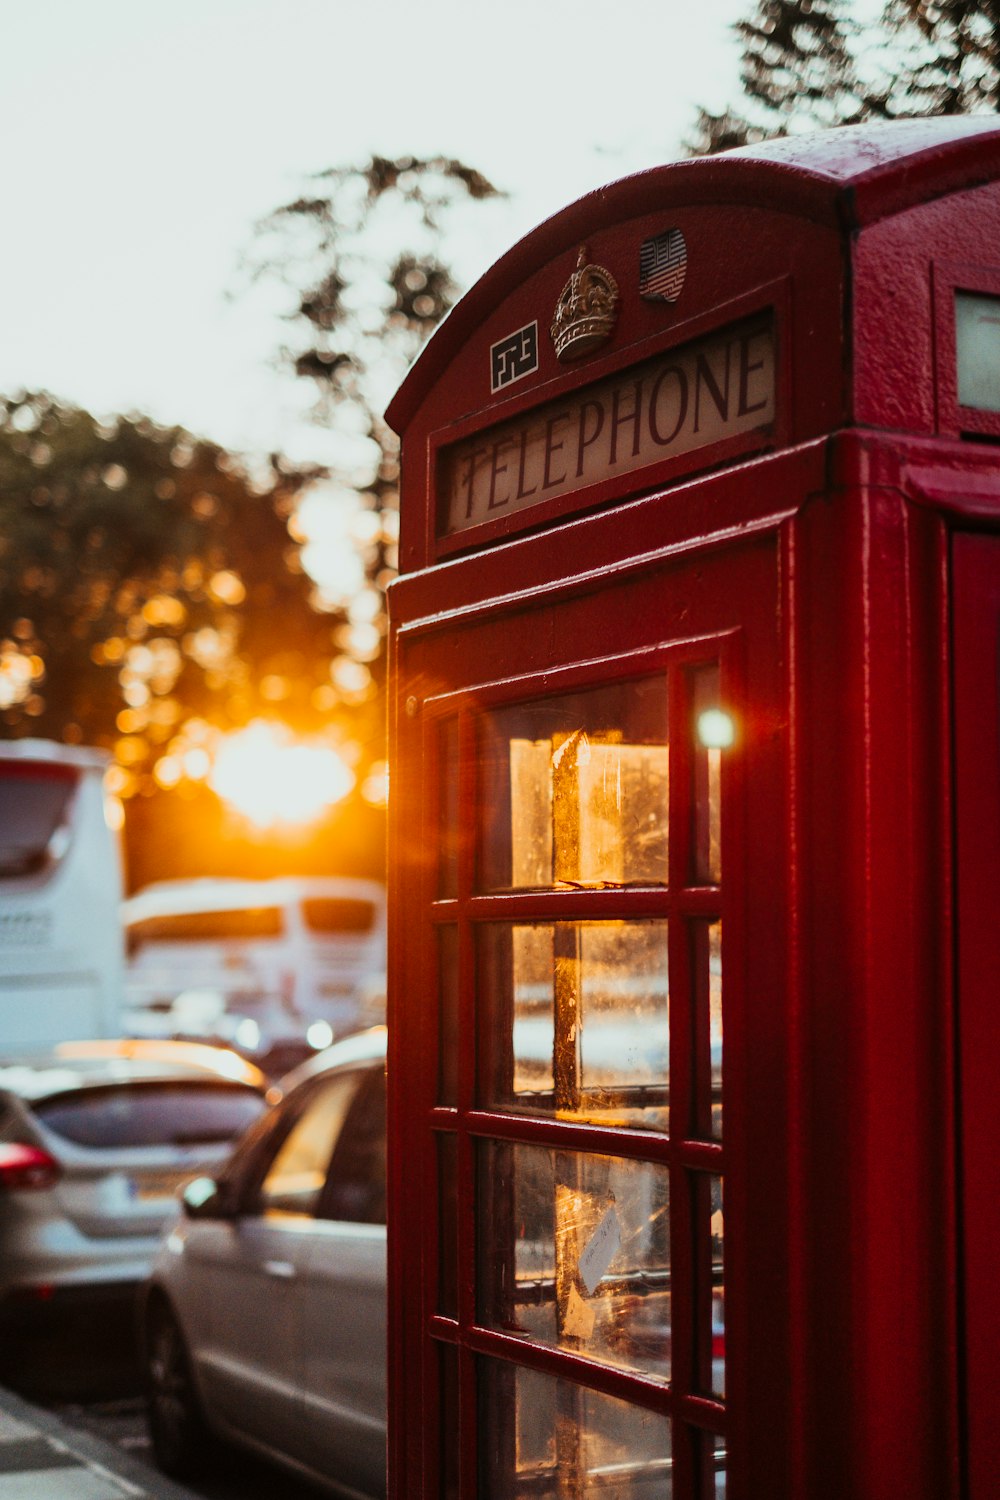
[[176, 1425]]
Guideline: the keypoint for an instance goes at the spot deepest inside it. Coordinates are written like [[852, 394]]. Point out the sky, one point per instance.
[[142, 141]]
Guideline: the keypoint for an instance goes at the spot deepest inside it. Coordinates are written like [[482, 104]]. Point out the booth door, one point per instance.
[[976, 594], [580, 841]]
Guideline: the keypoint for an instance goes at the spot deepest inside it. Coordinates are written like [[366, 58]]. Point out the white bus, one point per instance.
[[61, 950], [260, 963]]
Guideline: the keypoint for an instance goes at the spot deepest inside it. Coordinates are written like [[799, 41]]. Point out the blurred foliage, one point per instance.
[[156, 594], [150, 590], [814, 63], [362, 256]]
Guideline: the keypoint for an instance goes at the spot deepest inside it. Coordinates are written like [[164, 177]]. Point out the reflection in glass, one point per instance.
[[717, 1230], [575, 789], [719, 1466], [577, 1020], [707, 971], [715, 1022], [707, 776], [448, 1015], [574, 1251], [566, 1441], [711, 1304]]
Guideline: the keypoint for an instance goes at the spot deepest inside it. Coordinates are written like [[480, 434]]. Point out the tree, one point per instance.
[[150, 594], [811, 63], [361, 255]]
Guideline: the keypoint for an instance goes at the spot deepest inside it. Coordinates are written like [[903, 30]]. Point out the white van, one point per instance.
[[61, 954], [261, 963]]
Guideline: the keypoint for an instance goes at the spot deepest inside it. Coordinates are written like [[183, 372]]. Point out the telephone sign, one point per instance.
[[694, 836]]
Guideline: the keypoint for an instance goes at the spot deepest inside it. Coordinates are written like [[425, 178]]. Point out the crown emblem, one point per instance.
[[586, 311]]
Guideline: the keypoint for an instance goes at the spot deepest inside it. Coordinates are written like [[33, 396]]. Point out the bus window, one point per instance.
[[34, 815], [325, 914]]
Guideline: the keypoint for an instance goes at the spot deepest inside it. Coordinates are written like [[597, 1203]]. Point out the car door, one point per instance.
[[343, 1289], [252, 1267]]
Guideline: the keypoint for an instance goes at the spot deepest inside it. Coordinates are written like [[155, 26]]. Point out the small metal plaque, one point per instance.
[[513, 357], [977, 349]]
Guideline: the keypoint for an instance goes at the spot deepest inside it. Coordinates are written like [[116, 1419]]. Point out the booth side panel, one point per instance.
[[879, 1205], [976, 577]]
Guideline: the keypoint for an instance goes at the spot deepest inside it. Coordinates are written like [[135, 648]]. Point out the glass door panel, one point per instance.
[[574, 789], [559, 1441], [576, 1020], [574, 1251], [579, 975]]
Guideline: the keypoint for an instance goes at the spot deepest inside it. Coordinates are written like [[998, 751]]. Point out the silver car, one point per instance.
[[96, 1140], [264, 1319]]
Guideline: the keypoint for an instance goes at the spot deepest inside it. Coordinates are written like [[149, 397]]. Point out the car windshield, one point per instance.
[[151, 1114]]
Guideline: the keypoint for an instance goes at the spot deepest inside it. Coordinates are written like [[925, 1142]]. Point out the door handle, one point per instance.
[[282, 1269]]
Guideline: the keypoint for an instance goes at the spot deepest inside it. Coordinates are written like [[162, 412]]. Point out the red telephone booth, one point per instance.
[[695, 842]]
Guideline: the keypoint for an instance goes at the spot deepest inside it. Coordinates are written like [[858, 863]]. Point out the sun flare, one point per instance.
[[272, 779]]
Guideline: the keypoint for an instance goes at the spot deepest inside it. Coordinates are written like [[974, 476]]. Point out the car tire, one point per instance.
[[180, 1438]]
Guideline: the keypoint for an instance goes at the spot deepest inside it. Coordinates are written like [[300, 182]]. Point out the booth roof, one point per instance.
[[848, 176]]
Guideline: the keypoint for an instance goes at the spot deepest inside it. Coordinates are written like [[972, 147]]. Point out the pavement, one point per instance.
[[41, 1458]]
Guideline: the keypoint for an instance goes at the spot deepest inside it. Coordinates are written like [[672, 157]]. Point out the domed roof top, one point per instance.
[[848, 176]]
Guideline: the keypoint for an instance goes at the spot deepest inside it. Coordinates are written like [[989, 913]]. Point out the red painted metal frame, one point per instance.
[[824, 571], [465, 685]]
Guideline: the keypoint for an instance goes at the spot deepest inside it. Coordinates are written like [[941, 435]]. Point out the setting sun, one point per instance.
[[272, 779]]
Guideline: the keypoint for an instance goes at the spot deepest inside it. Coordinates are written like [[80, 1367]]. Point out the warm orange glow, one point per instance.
[[272, 779]]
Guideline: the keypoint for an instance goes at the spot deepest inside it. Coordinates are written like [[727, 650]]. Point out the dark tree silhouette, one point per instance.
[[147, 580], [812, 63]]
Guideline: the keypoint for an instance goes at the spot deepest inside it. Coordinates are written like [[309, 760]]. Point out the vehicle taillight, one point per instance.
[[26, 1167]]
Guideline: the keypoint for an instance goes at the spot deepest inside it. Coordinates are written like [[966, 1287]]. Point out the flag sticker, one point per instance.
[[662, 264]]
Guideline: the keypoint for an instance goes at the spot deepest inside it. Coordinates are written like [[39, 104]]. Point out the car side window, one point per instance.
[[355, 1186], [294, 1176]]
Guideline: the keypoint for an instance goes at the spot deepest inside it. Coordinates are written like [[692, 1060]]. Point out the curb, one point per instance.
[[34, 1442]]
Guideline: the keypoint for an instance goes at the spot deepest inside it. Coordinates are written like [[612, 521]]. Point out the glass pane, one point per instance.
[[707, 940], [34, 806], [574, 1251], [448, 791], [718, 1445], [448, 1015], [713, 733], [711, 1297], [447, 1163], [574, 789], [977, 338], [715, 1022], [577, 1020], [718, 1229], [548, 1439]]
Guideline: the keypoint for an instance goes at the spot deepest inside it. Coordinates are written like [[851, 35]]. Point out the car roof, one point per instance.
[[74, 1065], [364, 1047]]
